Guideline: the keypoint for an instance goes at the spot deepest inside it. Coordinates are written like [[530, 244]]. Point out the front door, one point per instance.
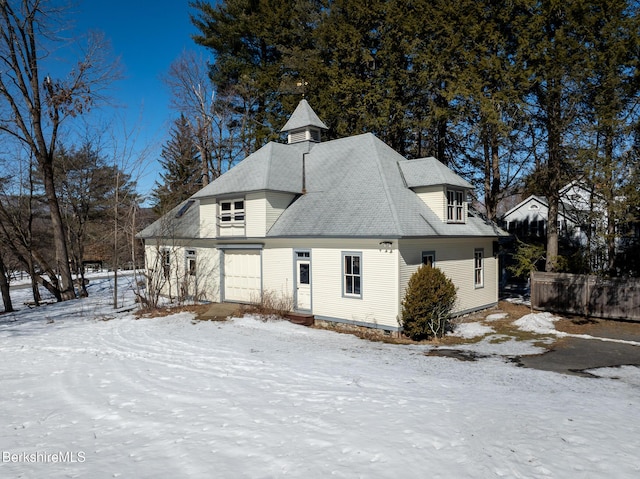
[[303, 284]]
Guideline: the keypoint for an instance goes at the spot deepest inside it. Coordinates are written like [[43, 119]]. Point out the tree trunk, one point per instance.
[[551, 264], [62, 255], [487, 172], [34, 283], [495, 174], [554, 173], [610, 195], [4, 288], [204, 158]]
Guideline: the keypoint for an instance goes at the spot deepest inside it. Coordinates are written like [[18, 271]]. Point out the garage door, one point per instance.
[[242, 275]]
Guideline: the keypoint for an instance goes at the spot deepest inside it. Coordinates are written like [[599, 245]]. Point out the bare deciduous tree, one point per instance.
[[215, 126], [33, 106]]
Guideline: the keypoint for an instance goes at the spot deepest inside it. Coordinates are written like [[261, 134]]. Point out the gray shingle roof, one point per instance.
[[273, 167], [430, 172], [355, 187], [302, 117], [183, 221]]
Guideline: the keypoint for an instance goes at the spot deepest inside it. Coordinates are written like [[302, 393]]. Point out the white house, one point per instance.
[[529, 218], [338, 226], [582, 219]]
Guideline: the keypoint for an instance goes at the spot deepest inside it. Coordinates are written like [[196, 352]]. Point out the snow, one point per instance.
[[628, 373], [496, 316], [471, 330], [541, 323], [87, 392]]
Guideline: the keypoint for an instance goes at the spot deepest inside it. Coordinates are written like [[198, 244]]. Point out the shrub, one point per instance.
[[270, 304], [528, 257], [427, 304]]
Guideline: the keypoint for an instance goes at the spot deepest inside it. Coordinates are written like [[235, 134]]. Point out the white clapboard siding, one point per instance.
[[455, 258], [435, 198], [208, 273], [378, 305], [277, 264], [276, 204], [255, 213], [208, 218]]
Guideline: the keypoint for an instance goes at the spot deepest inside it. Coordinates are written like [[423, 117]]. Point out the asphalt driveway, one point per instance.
[[619, 345]]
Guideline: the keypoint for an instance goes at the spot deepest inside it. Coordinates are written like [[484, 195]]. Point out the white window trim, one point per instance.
[[455, 211], [233, 213], [165, 262], [478, 269], [431, 253], [344, 275], [191, 256]]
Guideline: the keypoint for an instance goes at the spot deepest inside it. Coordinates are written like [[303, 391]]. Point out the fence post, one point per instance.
[[532, 291], [586, 296]]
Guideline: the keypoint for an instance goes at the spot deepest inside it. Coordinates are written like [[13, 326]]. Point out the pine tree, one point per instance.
[[610, 92], [490, 87], [257, 47], [182, 175], [87, 195], [557, 57]]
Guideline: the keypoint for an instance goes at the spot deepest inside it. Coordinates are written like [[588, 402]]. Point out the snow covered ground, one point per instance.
[[90, 393]]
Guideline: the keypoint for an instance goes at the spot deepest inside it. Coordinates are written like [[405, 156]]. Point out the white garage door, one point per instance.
[[242, 275]]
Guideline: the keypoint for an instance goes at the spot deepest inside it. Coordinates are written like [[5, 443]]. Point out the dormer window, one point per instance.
[[232, 211], [231, 217], [455, 206]]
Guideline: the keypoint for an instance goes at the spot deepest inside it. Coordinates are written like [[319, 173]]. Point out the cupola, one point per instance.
[[303, 125]]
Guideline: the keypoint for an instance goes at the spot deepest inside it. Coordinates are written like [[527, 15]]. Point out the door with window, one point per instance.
[[303, 281]]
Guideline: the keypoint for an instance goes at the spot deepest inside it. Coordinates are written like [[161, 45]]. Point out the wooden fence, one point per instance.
[[586, 295]]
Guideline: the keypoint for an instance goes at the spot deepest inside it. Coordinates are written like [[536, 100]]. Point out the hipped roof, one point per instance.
[[355, 187]]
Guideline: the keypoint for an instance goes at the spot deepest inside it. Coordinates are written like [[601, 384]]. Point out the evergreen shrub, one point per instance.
[[427, 304]]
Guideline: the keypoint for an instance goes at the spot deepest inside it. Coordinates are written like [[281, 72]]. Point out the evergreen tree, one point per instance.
[[427, 304], [182, 175], [257, 45], [490, 88], [434, 70], [557, 58], [611, 90], [493, 89]]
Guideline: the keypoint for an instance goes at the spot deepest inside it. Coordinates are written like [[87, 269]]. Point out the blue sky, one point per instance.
[[147, 36]]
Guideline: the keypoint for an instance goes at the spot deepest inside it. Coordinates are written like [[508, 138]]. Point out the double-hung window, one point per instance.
[[352, 275], [429, 257], [191, 262], [231, 217], [478, 268], [232, 211], [165, 258], [455, 206]]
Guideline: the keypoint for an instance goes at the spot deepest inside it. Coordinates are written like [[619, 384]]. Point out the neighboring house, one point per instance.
[[337, 226], [580, 214], [528, 219], [582, 221]]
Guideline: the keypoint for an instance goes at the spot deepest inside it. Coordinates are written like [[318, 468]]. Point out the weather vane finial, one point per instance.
[[302, 83]]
